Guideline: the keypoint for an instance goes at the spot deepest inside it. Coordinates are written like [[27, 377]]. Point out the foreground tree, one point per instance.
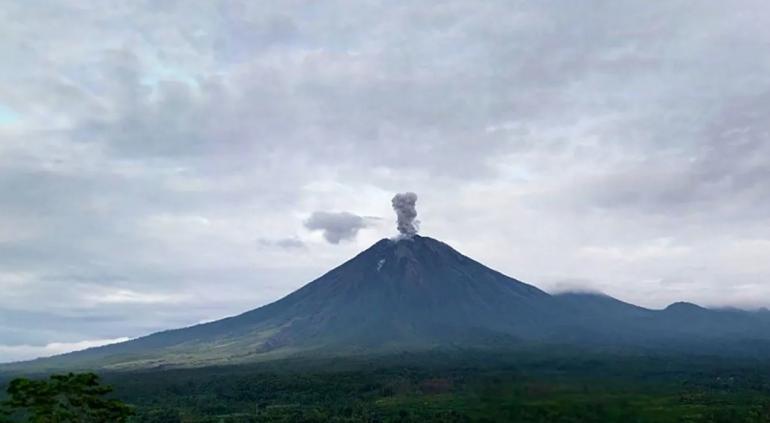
[[76, 398]]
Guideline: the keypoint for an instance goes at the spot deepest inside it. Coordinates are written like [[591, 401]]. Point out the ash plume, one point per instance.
[[404, 205]]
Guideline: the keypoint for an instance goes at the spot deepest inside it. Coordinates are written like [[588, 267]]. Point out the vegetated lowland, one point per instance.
[[555, 385]]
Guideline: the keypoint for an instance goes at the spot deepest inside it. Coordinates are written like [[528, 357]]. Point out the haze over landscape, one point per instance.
[[164, 164]]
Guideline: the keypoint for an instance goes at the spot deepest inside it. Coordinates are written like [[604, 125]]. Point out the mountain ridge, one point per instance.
[[417, 293]]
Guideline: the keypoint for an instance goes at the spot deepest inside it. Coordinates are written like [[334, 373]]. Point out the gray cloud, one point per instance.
[[336, 227], [287, 243], [622, 143]]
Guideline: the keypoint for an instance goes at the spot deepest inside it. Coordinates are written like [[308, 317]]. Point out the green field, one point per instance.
[[542, 386]]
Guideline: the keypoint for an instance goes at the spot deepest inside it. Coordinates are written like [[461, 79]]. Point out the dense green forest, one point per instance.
[[544, 387], [62, 398]]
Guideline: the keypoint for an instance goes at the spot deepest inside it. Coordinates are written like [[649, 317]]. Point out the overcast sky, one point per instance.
[[164, 163]]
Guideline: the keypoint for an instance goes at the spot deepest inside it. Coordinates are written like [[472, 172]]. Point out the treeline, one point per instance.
[[550, 388]]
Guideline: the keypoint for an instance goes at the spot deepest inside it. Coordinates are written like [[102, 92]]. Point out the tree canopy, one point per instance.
[[76, 398]]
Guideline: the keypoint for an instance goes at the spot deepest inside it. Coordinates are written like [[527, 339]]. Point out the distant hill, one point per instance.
[[420, 294]]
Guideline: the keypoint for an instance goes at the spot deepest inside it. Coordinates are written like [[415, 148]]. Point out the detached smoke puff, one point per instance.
[[337, 227], [404, 205]]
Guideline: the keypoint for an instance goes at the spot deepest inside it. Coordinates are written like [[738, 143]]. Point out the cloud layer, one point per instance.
[[159, 158]]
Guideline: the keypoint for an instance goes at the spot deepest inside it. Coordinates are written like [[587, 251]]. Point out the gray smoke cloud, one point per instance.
[[404, 205], [337, 227]]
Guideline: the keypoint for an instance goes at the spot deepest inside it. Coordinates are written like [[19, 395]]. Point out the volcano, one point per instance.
[[417, 293]]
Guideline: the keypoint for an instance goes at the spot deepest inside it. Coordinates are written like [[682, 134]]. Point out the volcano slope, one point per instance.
[[418, 294]]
